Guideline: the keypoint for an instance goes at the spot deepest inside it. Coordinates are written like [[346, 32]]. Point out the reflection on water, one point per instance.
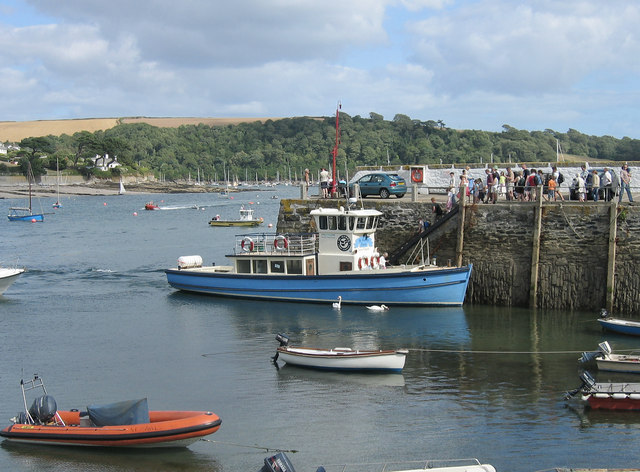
[[96, 318]]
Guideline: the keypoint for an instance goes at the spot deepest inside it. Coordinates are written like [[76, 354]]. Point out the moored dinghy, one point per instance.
[[8, 276], [606, 395], [618, 325], [605, 359], [122, 424], [340, 358]]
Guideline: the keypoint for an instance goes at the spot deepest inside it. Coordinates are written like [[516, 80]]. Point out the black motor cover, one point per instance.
[[43, 409], [278, 463]]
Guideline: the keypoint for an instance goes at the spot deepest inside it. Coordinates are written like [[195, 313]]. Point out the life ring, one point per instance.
[[416, 175], [375, 262], [247, 245], [280, 243], [363, 262]]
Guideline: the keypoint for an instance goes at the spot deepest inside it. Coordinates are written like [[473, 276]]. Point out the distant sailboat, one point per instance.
[[22, 213], [57, 204], [122, 191]]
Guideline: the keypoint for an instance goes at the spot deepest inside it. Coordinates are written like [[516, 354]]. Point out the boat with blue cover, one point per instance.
[[339, 260]]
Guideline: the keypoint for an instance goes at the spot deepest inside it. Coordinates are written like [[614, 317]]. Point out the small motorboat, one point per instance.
[[618, 325], [340, 358], [280, 463], [8, 275], [246, 219], [606, 395], [605, 359], [151, 206], [122, 424]]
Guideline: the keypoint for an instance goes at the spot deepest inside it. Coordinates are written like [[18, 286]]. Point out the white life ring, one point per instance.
[[280, 243], [247, 245], [375, 262], [363, 262]]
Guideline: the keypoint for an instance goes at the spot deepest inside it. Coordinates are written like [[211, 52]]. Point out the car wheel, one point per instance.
[[384, 193]]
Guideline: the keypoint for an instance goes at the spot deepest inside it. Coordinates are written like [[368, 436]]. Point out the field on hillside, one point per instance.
[[15, 131]]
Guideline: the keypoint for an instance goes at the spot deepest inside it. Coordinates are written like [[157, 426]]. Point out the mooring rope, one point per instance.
[[265, 449], [453, 351]]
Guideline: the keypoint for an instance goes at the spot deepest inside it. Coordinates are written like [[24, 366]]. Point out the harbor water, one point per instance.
[[96, 319]]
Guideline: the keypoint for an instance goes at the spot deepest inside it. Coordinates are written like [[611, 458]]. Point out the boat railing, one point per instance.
[[276, 244]]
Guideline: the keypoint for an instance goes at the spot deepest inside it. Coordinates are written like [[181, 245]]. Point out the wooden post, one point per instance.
[[461, 214], [535, 249], [611, 261]]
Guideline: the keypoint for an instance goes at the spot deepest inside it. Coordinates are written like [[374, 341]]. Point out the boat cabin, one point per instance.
[[345, 241]]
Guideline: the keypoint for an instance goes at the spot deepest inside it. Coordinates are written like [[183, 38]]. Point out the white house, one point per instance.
[[103, 162]]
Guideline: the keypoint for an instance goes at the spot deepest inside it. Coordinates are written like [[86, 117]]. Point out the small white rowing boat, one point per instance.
[[281, 462], [8, 276], [340, 358], [606, 360]]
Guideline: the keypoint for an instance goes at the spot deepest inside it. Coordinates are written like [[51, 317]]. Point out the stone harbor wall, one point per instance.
[[582, 256]]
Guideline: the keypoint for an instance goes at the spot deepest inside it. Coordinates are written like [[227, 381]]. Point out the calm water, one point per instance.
[[96, 319]]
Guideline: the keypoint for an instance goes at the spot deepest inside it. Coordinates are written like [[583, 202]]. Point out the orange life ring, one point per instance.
[[416, 175], [280, 243], [247, 245], [363, 262]]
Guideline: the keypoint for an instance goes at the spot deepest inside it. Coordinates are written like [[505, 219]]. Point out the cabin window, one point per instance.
[[371, 222], [244, 266], [342, 223], [322, 222], [277, 267], [332, 223], [294, 266], [361, 222], [351, 223], [259, 266], [346, 265]]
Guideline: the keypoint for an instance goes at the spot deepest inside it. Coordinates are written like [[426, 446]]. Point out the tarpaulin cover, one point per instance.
[[120, 413]]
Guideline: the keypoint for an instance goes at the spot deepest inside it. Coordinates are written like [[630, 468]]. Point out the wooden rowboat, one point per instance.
[[341, 358], [123, 424]]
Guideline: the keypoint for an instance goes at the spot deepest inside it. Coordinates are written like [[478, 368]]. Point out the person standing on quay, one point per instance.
[[625, 183], [324, 182], [595, 186], [606, 183]]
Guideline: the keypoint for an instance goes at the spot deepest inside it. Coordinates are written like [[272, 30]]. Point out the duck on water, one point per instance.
[[340, 260]]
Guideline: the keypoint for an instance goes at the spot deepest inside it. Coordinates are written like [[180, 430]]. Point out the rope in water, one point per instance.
[[450, 351], [265, 449]]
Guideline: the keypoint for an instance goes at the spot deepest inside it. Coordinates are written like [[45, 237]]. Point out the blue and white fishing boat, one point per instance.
[[340, 260]]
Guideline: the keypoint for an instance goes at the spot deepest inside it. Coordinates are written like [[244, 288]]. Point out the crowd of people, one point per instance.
[[523, 185]]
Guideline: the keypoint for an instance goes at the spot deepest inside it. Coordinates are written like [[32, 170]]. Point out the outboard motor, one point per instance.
[[278, 463], [282, 339], [604, 313], [43, 409]]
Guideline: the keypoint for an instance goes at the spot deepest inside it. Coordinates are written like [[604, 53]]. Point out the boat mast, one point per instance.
[[335, 148]]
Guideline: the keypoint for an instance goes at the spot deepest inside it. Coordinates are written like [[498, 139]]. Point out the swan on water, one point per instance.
[[378, 308], [338, 304]]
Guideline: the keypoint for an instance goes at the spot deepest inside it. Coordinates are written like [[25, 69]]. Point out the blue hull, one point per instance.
[[621, 326], [442, 287], [28, 218]]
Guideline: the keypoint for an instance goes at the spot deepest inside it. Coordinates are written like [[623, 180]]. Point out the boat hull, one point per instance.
[[7, 277], [424, 287], [28, 218], [235, 223], [614, 325], [610, 402], [620, 363], [370, 361], [166, 429]]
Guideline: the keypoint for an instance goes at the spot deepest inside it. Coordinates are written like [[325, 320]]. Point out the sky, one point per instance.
[[473, 64]]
